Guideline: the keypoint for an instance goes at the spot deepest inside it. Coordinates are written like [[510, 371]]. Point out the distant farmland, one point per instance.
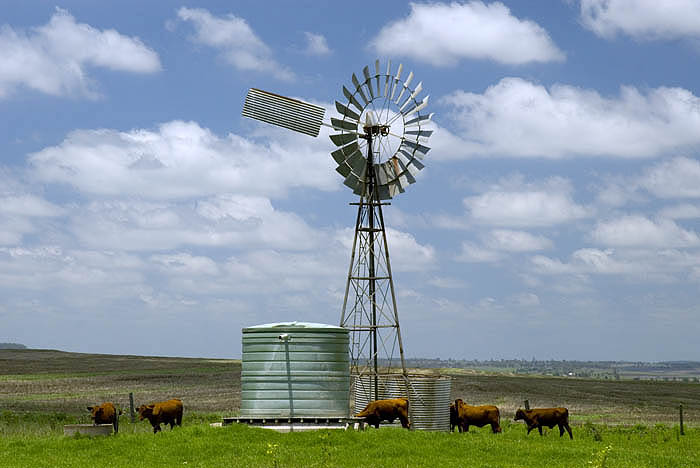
[[54, 381]]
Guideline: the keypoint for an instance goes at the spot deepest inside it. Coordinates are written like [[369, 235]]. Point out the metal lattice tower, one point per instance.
[[369, 307]]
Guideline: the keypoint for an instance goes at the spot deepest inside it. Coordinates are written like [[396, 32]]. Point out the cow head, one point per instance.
[[520, 414], [145, 411], [95, 411]]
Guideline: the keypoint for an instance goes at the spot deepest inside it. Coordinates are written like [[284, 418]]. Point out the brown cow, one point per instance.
[[550, 417], [464, 415], [164, 412], [386, 410], [105, 413]]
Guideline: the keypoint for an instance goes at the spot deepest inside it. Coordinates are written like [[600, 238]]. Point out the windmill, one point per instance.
[[380, 146]]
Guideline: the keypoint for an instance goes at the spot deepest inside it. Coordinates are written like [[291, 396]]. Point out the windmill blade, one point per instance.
[[340, 155], [411, 159], [344, 125], [419, 120], [419, 133], [383, 192], [342, 139], [412, 97], [388, 76], [352, 181], [419, 107], [358, 87], [347, 113], [396, 81], [368, 81], [405, 87], [344, 170], [417, 148], [357, 162], [282, 111], [352, 100]]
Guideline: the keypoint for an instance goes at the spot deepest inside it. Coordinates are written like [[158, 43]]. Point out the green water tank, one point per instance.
[[295, 369]]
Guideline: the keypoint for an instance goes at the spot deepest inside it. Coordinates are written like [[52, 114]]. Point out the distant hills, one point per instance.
[[686, 371], [12, 346]]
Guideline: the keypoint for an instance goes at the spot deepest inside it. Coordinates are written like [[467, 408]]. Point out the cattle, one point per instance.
[[164, 412], [549, 417], [105, 413], [386, 410], [463, 415]]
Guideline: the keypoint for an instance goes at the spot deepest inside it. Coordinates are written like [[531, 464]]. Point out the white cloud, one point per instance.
[[532, 208], [443, 34], [682, 211], [518, 118], [472, 253], [186, 264], [515, 241], [674, 178], [638, 265], [55, 58], [642, 19], [181, 160], [236, 40], [28, 205], [444, 282], [405, 252], [316, 44], [223, 221], [639, 231]]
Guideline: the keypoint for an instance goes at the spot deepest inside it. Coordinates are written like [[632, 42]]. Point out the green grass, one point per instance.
[[625, 424], [198, 445]]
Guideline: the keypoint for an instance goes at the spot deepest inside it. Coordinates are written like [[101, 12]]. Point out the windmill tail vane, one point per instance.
[[380, 139]]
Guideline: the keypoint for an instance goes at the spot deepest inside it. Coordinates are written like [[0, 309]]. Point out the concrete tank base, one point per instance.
[[88, 429], [299, 424]]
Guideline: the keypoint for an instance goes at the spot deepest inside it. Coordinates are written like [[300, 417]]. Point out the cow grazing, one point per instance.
[[550, 417], [164, 412], [463, 415], [105, 413], [386, 410]]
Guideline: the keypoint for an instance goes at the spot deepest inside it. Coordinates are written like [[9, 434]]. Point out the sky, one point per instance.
[[557, 216]]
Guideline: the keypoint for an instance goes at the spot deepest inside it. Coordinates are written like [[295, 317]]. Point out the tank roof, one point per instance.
[[295, 326]]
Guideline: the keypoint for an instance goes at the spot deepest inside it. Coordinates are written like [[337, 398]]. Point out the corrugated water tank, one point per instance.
[[295, 369]]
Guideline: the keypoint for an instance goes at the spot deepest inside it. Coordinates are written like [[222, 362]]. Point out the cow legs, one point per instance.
[[495, 428], [156, 429], [568, 429], [539, 428]]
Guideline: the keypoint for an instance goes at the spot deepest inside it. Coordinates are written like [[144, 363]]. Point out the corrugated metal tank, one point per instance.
[[306, 375], [429, 408]]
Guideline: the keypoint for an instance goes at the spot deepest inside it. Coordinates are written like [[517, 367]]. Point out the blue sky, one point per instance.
[[557, 216]]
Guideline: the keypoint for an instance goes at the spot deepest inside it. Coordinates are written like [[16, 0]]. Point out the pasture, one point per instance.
[[615, 423]]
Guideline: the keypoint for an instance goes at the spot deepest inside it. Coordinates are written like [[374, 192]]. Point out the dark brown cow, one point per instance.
[[164, 412], [549, 417], [386, 410], [105, 413], [464, 415]]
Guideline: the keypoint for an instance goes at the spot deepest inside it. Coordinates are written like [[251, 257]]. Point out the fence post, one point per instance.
[[131, 407], [527, 404], [680, 413]]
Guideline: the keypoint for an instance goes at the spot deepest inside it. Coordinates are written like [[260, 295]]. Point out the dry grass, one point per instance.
[[54, 381]]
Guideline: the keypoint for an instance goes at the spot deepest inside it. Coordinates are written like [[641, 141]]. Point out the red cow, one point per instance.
[[549, 417], [463, 415], [105, 413], [386, 410], [164, 412]]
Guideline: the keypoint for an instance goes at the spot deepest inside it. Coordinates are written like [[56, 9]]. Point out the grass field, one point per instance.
[[615, 423]]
